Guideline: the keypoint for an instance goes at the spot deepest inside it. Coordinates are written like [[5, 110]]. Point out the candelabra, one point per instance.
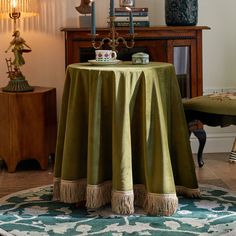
[[113, 38]]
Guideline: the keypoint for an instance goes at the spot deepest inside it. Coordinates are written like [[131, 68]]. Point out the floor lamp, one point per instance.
[[16, 9]]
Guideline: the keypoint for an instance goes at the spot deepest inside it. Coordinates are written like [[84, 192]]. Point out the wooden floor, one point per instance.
[[216, 171], [28, 175]]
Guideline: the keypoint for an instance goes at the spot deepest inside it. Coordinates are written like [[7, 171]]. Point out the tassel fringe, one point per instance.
[[161, 204], [98, 195], [73, 191], [56, 189], [188, 192], [140, 194], [122, 202]]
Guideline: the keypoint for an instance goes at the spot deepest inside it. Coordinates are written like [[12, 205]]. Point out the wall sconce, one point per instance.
[[15, 9]]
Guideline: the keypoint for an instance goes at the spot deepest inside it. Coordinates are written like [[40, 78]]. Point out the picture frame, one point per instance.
[[127, 3]]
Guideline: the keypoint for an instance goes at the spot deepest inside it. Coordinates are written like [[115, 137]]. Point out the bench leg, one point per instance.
[[201, 136], [197, 128]]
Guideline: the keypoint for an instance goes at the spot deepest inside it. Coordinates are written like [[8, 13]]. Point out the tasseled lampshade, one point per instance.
[[26, 8]]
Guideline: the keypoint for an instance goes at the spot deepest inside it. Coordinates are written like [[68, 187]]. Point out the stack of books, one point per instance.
[[140, 17]]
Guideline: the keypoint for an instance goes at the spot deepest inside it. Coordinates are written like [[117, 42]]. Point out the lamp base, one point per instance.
[[19, 84]]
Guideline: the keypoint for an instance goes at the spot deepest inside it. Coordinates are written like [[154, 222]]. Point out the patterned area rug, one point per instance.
[[32, 212]]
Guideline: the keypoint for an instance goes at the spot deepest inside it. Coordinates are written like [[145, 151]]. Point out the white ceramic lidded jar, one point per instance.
[[140, 58]]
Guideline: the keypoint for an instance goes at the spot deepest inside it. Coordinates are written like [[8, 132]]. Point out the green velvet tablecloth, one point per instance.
[[123, 139]]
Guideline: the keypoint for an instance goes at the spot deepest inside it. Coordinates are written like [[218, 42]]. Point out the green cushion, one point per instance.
[[218, 103]]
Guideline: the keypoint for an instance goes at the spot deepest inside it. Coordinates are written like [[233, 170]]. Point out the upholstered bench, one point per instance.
[[218, 109]]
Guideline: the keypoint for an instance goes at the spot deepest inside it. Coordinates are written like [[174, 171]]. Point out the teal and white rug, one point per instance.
[[32, 212]]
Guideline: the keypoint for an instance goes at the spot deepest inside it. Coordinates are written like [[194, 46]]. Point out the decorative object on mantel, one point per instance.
[[113, 37], [16, 9], [85, 9], [127, 3], [140, 58], [181, 12], [140, 17]]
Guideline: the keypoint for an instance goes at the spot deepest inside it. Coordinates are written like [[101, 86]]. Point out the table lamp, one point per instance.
[[15, 9]]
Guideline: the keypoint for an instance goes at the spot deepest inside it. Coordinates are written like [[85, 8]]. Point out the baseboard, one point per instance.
[[218, 90], [216, 142]]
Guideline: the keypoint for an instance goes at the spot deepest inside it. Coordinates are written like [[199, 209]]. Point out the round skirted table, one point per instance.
[[123, 139]]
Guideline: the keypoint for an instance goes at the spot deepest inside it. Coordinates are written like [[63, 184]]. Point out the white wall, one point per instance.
[[219, 54], [219, 43], [45, 64]]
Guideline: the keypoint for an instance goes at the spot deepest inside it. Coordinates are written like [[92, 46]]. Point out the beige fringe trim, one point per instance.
[[188, 192], [122, 202], [73, 191], [98, 195], [161, 204], [56, 188], [140, 194]]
